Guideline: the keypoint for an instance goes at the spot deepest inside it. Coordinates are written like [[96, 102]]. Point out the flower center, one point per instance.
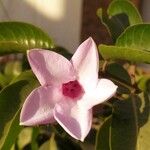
[[72, 89]]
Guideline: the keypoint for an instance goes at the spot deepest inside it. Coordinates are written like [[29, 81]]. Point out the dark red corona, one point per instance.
[[72, 89]]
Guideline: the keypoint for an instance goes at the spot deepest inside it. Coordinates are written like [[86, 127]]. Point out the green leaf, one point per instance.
[[103, 136], [112, 70], [124, 126], [115, 25], [120, 14], [34, 144], [125, 6], [13, 68], [136, 38], [11, 100], [144, 120], [121, 130], [11, 131], [132, 128], [143, 82], [144, 132], [24, 137], [124, 53], [133, 45], [129, 126], [3, 80], [17, 37]]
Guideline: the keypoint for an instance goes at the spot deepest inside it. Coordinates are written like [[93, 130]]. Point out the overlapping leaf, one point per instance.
[[126, 7], [120, 15], [115, 25], [133, 45]]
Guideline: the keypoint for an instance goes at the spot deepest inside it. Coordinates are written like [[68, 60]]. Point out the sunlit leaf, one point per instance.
[[17, 37], [124, 53], [136, 38], [133, 45], [24, 137], [13, 68], [126, 7]]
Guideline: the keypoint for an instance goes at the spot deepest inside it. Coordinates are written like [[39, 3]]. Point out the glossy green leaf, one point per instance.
[[126, 7], [11, 99], [124, 53], [17, 37]]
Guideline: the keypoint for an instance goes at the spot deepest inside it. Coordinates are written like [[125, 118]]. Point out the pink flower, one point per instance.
[[68, 91]]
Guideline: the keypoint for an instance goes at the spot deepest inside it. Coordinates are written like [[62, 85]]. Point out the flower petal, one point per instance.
[[50, 68], [86, 63], [75, 120], [105, 90], [38, 107]]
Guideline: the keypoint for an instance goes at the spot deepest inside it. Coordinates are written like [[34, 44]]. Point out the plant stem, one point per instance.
[[104, 66], [108, 104]]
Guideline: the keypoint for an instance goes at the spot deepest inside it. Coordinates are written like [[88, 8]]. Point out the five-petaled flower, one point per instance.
[[68, 91]]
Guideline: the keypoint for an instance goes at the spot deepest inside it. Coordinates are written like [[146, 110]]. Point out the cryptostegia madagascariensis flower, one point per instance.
[[68, 91]]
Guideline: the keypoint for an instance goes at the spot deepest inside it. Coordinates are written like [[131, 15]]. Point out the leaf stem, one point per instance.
[[104, 66]]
